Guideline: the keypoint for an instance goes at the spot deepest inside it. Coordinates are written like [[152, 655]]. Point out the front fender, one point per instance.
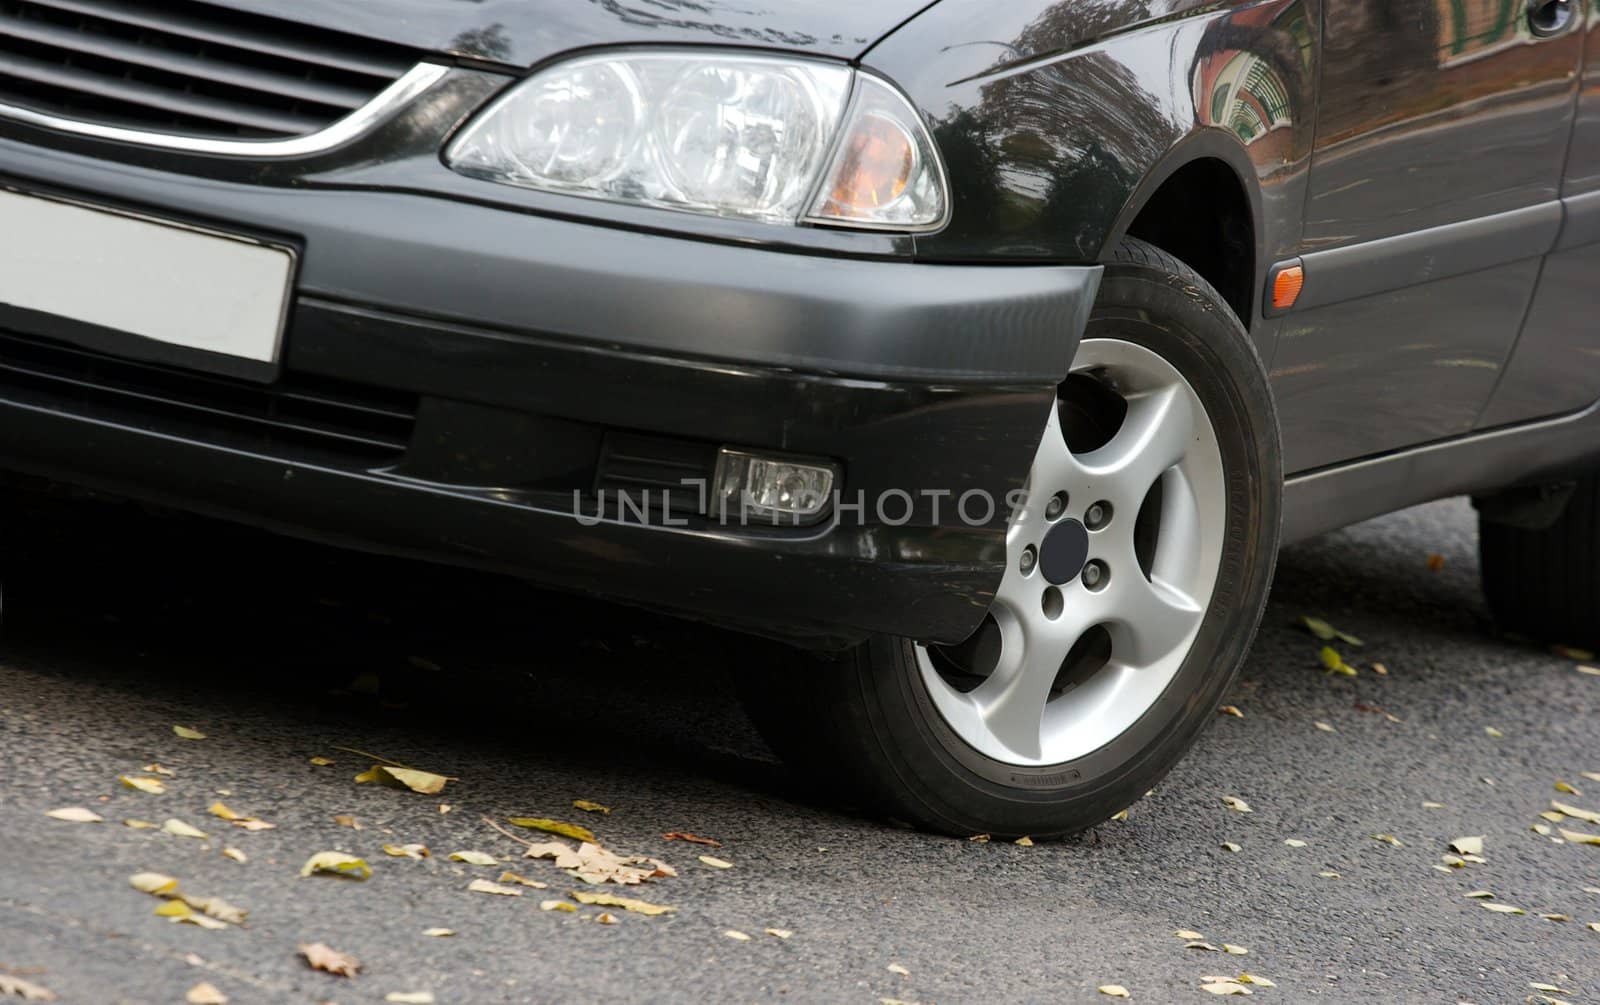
[[1058, 118]]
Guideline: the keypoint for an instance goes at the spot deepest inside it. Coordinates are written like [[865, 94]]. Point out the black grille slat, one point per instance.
[[186, 67], [360, 423]]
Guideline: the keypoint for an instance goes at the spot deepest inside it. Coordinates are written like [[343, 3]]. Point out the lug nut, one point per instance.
[[1095, 574], [1097, 516], [1056, 506], [1030, 558]]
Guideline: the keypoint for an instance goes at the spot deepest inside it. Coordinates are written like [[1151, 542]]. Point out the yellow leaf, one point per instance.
[[322, 762], [424, 782], [1573, 653], [217, 809], [321, 957], [439, 933], [1335, 663], [1236, 804], [156, 769], [1593, 776], [172, 909], [1185, 933], [1120, 815], [484, 886], [1467, 845], [218, 908], [369, 775], [1432, 806], [606, 918], [409, 998], [1553, 989], [1232, 710], [1024, 842], [1328, 875], [1587, 816], [1326, 632], [153, 882], [1225, 988], [1255, 979], [200, 921], [1578, 837], [626, 903], [336, 863], [1567, 788], [178, 828], [1500, 908], [1479, 895], [984, 838], [1389, 839], [589, 807], [346, 820], [1492, 733], [252, 824], [1543, 830], [1113, 991], [557, 905], [205, 994], [473, 858], [779, 933], [715, 863], [1233, 950], [407, 850], [76, 815], [574, 831], [510, 877], [736, 935], [1556, 917], [235, 854], [154, 786], [140, 825], [1380, 669], [185, 733]]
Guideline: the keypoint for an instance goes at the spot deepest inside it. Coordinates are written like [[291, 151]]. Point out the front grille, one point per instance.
[[181, 66], [647, 470], [339, 422]]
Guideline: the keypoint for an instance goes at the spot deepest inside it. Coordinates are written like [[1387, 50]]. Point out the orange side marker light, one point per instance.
[[1286, 287]]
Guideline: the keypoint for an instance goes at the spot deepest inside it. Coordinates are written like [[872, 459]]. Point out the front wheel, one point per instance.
[[1137, 570]]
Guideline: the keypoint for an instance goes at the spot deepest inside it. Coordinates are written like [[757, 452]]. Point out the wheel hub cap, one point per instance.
[[1115, 550]]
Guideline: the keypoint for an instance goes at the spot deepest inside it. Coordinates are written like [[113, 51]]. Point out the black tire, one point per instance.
[[1545, 583], [863, 725]]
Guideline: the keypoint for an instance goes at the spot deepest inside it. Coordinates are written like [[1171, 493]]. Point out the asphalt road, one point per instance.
[[119, 625]]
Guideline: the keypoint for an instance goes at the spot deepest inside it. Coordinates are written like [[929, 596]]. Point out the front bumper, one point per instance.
[[510, 354]]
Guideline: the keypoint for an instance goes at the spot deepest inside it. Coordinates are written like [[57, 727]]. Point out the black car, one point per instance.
[[976, 355]]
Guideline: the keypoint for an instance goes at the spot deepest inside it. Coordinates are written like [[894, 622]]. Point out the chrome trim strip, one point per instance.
[[411, 84]]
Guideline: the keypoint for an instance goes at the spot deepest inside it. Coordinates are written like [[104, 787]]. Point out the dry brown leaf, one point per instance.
[[185, 733], [141, 825], [736, 935], [1556, 917], [1324, 726], [346, 820], [1225, 988], [26, 990], [1113, 991], [425, 782], [407, 850], [1380, 669], [574, 831], [558, 905], [715, 863], [217, 809], [322, 762], [439, 933], [409, 998], [336, 863], [511, 877], [1578, 837], [236, 855], [1022, 842], [594, 864], [692, 838], [1294, 842], [216, 907], [1587, 816], [252, 824], [200, 921], [975, 839], [1435, 563], [473, 858], [1232, 710], [178, 828], [1188, 933], [1120, 815], [590, 807], [1389, 839], [322, 957], [895, 968], [1205, 946], [154, 883], [484, 886], [76, 815], [1233, 950], [626, 903], [605, 918], [1500, 908], [1328, 875], [1231, 846], [779, 933], [1236, 804], [1468, 845], [154, 786], [205, 994]]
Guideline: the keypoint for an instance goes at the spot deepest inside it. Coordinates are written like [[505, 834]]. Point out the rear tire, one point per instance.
[[888, 725], [1545, 583]]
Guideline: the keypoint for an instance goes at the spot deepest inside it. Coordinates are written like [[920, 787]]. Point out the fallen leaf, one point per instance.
[[1553, 989], [1245, 978], [979, 839], [473, 858], [1432, 806], [177, 827], [736, 935], [1336, 664], [439, 933], [154, 883], [1120, 815], [1328, 875], [572, 831], [1572, 653], [594, 864], [1435, 563], [1543, 830], [1587, 816], [557, 905], [1205, 946], [1479, 895], [1114, 991], [154, 786], [336, 863], [511, 877], [252, 824], [369, 775], [1500, 908], [1225, 988], [200, 921], [1236, 804], [1233, 950], [715, 863], [235, 854], [1325, 727], [1022, 842], [445, 808], [1578, 837], [1232, 710], [1388, 839], [1326, 632], [407, 850], [1467, 845], [17, 987], [626, 903], [321, 957], [76, 815], [409, 998], [1567, 788], [691, 838], [346, 820], [141, 825], [895, 968], [1492, 733], [779, 933], [1556, 917], [1593, 926], [484, 886], [590, 807], [1186, 933], [1294, 842], [322, 762], [1553, 816], [216, 907], [1380, 669], [205, 994], [185, 733], [425, 782], [173, 909], [606, 918]]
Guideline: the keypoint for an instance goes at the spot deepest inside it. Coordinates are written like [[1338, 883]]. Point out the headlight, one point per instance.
[[752, 137]]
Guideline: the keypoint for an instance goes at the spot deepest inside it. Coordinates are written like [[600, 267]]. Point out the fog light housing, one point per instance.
[[775, 489]]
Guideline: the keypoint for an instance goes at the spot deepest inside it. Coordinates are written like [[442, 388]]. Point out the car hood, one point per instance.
[[523, 32]]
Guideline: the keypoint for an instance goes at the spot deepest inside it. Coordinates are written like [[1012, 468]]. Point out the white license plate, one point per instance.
[[177, 285]]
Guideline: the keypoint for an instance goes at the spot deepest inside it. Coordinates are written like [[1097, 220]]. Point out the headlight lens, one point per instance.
[[752, 137]]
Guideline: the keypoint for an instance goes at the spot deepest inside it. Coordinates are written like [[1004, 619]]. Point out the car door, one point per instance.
[[1556, 366], [1434, 191]]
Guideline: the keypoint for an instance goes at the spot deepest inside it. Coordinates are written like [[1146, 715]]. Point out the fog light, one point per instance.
[[779, 489]]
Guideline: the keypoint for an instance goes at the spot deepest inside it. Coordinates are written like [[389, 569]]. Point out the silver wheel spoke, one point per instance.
[[1159, 428], [1011, 702], [1151, 619]]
